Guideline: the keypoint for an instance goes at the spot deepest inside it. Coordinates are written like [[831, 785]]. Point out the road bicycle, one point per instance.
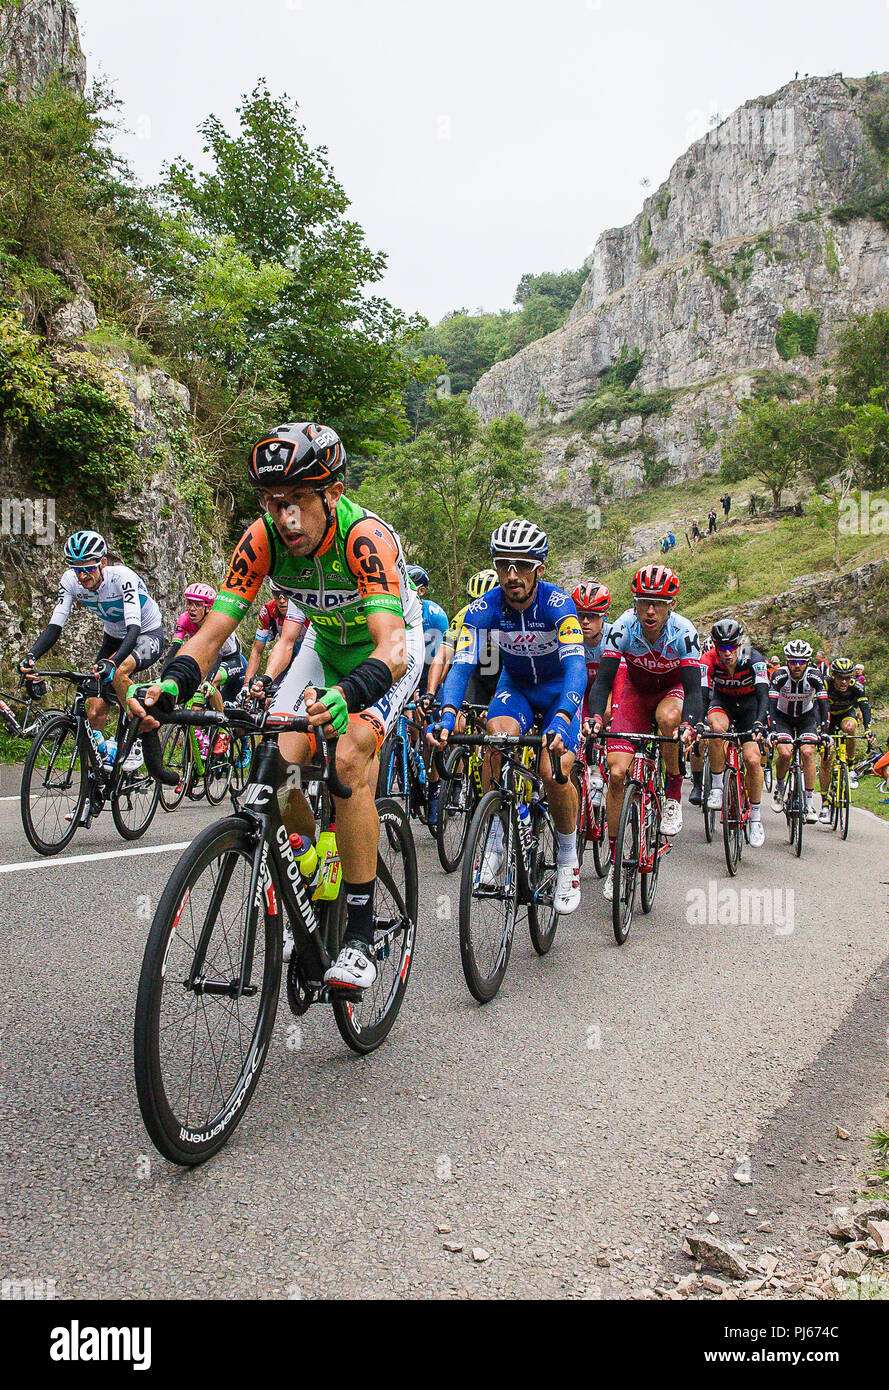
[[526, 875], [201, 771], [462, 789], [640, 844], [403, 774], [592, 827], [839, 795], [735, 813], [211, 972], [30, 716], [65, 783], [795, 793]]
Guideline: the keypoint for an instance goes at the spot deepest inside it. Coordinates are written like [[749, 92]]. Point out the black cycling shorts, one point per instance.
[[146, 651], [803, 724], [741, 710]]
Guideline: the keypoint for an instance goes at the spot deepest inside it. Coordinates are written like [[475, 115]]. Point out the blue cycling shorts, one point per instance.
[[524, 702]]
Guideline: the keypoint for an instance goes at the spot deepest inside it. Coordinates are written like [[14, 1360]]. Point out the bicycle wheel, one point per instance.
[[454, 810], [797, 817], [601, 853], [542, 916], [844, 800], [767, 775], [578, 774], [488, 910], [626, 862], [709, 816], [243, 748], [176, 757], [134, 803], [365, 1022], [731, 822], [54, 784], [648, 881], [200, 1043], [217, 775]]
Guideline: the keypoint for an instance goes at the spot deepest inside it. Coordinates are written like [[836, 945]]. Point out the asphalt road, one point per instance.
[[587, 1112]]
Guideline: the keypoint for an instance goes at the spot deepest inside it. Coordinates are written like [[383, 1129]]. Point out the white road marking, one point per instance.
[[89, 858]]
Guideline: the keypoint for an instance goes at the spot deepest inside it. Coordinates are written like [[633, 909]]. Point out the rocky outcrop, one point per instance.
[[39, 41], [739, 234], [835, 605]]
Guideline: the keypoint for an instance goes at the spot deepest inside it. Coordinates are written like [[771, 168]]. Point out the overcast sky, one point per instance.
[[477, 139]]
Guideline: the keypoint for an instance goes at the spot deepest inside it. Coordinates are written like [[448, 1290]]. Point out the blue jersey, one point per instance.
[[542, 646], [650, 667], [435, 625]]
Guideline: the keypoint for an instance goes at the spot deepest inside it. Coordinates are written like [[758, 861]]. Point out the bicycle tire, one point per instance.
[[173, 735], [56, 729], [798, 826], [601, 852], [845, 800], [543, 920], [731, 823], [709, 816], [626, 863], [217, 776], [648, 882], [390, 986], [484, 985], [126, 787], [455, 807], [578, 774], [180, 1141]]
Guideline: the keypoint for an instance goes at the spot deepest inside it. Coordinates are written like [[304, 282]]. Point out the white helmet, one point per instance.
[[520, 539], [798, 650]]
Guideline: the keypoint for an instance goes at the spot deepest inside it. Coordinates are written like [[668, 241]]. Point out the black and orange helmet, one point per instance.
[[657, 582], [303, 453], [592, 598]]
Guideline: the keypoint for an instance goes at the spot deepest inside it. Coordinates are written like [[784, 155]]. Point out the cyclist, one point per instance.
[[540, 643], [133, 628], [279, 621], [483, 682], [592, 601], [797, 709], [662, 687], [737, 685], [846, 701], [435, 626], [359, 663], [225, 679]]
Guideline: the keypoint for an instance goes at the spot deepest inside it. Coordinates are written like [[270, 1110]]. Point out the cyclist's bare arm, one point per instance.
[[203, 648], [282, 652]]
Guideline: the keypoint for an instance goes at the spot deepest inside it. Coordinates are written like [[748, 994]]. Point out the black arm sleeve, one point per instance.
[[131, 637], [47, 639], [601, 688], [864, 706], [691, 685], [761, 690], [172, 650]]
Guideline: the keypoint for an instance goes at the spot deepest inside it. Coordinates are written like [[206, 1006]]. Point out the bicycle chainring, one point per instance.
[[299, 995]]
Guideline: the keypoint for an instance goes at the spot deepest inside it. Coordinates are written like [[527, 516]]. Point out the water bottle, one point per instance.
[[98, 739], [329, 856], [306, 856], [110, 752], [525, 830]]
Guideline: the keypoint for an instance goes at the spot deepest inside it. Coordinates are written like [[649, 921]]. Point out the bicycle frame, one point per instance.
[[645, 771]]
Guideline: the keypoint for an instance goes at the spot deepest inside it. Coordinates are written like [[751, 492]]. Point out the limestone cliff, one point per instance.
[[738, 234], [38, 41]]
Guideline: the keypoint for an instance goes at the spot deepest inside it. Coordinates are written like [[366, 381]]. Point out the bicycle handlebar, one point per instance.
[[498, 741]]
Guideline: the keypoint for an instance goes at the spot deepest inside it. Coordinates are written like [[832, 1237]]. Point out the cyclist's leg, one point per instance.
[[561, 796], [718, 721], [668, 715], [826, 766], [306, 669], [850, 726], [97, 707]]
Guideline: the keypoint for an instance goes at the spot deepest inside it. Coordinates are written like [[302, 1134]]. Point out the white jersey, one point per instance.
[[120, 601]]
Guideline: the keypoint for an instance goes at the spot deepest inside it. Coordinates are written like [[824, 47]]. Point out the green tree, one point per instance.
[[861, 364], [765, 444], [341, 351], [446, 490]]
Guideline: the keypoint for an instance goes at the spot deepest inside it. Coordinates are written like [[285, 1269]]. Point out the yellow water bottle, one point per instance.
[[331, 871], [306, 856]]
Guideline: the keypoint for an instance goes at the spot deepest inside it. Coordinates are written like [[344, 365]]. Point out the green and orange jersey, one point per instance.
[[359, 569]]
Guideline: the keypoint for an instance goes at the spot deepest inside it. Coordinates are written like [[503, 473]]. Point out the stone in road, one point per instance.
[[567, 1130]]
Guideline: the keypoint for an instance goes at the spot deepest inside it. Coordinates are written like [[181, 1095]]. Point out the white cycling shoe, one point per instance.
[[778, 798], [811, 815], [567, 897], [289, 943], [714, 800], [492, 861], [757, 834], [671, 821], [353, 968], [134, 759], [824, 818], [608, 885]]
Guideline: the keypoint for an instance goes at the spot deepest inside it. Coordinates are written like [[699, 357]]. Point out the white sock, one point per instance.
[[809, 795], [567, 847], [716, 778], [755, 810]]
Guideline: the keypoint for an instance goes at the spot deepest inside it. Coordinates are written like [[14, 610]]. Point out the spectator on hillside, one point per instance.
[[753, 504], [822, 663], [711, 521], [695, 531], [859, 675], [665, 545], [726, 503], [672, 539]]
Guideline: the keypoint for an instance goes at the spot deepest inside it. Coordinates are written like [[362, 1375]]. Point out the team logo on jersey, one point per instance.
[[558, 599], [569, 632], [466, 639]]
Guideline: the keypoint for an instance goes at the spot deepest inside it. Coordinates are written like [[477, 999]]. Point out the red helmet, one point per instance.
[[655, 581], [592, 598]]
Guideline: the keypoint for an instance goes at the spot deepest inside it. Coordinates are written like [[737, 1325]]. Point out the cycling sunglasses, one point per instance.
[[87, 569], [521, 567]]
